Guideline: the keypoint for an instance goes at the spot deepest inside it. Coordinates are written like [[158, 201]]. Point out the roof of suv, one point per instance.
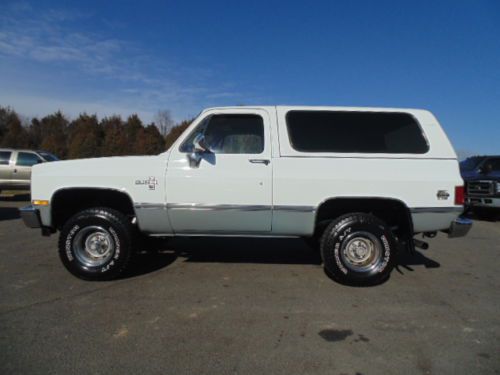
[[305, 107]]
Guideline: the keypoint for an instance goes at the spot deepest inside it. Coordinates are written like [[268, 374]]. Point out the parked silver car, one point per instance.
[[15, 167]]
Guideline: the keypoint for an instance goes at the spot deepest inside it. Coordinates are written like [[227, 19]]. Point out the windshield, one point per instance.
[[471, 164], [47, 156]]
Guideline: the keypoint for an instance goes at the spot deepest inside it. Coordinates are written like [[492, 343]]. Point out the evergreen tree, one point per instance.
[[149, 141], [114, 139], [54, 130], [12, 133], [35, 134], [84, 138], [132, 127]]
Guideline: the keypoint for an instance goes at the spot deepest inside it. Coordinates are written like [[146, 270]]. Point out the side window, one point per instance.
[[230, 134], [355, 132], [27, 159], [4, 157]]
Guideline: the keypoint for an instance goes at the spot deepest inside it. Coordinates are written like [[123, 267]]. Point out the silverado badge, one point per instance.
[[151, 182]]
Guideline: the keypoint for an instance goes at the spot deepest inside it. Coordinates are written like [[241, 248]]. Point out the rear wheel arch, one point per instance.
[[393, 211]]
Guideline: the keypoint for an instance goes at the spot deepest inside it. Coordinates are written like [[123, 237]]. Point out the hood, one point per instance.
[[97, 167], [475, 175]]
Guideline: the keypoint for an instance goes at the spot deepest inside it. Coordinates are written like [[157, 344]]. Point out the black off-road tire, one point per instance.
[[348, 229], [115, 229]]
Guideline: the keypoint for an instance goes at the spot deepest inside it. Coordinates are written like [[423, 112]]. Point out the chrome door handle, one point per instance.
[[259, 161]]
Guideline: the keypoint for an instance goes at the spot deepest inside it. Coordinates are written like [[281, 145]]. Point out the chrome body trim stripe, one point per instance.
[[295, 208], [145, 205], [223, 207], [435, 210], [216, 207], [244, 207]]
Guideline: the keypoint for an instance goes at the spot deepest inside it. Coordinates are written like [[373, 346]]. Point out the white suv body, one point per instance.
[[273, 171]]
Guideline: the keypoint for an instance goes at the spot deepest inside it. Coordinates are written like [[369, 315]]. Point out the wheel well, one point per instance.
[[393, 211], [66, 202]]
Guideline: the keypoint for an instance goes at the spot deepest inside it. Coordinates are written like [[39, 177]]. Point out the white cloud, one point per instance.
[[50, 40]]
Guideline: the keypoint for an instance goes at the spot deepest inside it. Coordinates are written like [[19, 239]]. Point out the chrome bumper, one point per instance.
[[30, 216], [459, 227]]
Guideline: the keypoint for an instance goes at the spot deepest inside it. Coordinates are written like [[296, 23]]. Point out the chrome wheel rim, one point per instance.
[[93, 246], [361, 252]]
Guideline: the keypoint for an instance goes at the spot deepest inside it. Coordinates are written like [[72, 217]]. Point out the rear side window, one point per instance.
[[355, 132], [27, 159], [4, 157]]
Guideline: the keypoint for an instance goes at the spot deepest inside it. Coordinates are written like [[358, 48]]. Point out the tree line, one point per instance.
[[87, 136]]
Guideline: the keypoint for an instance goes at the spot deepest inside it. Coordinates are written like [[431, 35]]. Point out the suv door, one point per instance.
[[5, 169], [21, 175], [230, 190]]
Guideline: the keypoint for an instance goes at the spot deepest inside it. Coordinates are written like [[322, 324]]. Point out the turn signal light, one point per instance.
[[459, 195], [40, 202]]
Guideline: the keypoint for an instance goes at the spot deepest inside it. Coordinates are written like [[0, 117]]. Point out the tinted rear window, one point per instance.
[[4, 157], [355, 132]]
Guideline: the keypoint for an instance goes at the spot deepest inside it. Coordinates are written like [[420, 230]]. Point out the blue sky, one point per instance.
[[121, 57]]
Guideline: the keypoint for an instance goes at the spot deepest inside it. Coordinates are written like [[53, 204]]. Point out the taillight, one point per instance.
[[459, 195]]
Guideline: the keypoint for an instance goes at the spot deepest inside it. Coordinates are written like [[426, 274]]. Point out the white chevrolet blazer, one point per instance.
[[359, 183]]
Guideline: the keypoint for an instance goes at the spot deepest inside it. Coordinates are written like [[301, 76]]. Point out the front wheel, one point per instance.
[[96, 244], [358, 249]]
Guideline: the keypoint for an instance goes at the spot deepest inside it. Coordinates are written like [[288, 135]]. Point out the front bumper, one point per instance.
[[486, 202], [459, 227], [30, 216]]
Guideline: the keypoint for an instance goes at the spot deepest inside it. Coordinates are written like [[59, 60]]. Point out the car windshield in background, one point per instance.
[[47, 156], [470, 164]]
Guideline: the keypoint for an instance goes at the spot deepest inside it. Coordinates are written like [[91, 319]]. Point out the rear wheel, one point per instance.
[[358, 248], [96, 244]]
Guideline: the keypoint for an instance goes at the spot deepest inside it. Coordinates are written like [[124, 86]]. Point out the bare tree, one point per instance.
[[164, 122]]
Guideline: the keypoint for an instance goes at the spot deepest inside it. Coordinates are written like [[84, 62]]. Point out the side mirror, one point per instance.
[[199, 143], [199, 147]]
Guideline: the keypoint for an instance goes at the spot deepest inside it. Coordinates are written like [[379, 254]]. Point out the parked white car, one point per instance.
[[363, 181]]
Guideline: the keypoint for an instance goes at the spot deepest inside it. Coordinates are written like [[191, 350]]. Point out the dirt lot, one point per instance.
[[248, 306]]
